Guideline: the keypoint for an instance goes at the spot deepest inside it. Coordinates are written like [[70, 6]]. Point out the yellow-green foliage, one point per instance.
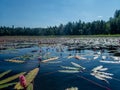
[[6, 80], [30, 86], [4, 73], [6, 85], [29, 78]]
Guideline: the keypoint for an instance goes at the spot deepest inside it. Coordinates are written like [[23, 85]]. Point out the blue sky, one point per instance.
[[43, 13]]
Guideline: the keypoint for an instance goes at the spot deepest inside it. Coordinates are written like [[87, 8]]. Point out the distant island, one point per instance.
[[99, 27]]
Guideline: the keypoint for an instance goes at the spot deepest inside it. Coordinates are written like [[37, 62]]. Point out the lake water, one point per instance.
[[49, 78]]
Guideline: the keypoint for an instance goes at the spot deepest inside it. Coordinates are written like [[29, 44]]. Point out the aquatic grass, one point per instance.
[[30, 86], [46, 55], [69, 71], [112, 62], [99, 73], [29, 78], [77, 65], [4, 73], [72, 88], [50, 59], [15, 61], [54, 62], [97, 70], [9, 51], [79, 57], [26, 57], [31, 75], [71, 68], [11, 78], [115, 60], [20, 59], [76, 69], [7, 85], [70, 57]]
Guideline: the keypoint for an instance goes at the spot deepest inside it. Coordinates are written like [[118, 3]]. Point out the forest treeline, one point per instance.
[[112, 26]]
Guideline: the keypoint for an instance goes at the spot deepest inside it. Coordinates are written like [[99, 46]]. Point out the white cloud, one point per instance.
[[100, 16]]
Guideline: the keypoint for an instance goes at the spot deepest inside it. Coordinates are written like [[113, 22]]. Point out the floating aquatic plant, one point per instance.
[[55, 62], [5, 82], [72, 88], [70, 57], [113, 62], [99, 73], [30, 86], [7, 51], [46, 55], [115, 58], [29, 78], [4, 73], [7, 85], [76, 69], [23, 57], [11, 78], [96, 57], [15, 61], [50, 59], [104, 57], [80, 57]]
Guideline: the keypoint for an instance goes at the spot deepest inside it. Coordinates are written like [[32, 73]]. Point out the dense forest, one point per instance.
[[112, 26]]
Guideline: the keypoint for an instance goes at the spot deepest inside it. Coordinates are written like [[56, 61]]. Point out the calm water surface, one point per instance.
[[49, 78]]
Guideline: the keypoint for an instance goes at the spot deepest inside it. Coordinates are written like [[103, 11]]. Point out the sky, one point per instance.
[[44, 13]]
